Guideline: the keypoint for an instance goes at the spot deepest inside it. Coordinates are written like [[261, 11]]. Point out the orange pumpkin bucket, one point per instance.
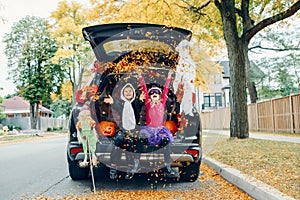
[[106, 128], [169, 124]]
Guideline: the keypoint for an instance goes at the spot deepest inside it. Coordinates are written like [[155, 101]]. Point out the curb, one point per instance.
[[255, 188], [41, 135]]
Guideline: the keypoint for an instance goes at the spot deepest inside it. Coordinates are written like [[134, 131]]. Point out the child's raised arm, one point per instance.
[[171, 71], [139, 72]]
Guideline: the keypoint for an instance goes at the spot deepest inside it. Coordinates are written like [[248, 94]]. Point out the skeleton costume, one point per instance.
[[185, 75], [85, 127]]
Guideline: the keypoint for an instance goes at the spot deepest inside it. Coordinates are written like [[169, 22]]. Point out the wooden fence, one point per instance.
[[275, 115], [43, 123]]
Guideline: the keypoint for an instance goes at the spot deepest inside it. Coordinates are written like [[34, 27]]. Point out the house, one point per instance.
[[219, 91], [17, 112], [18, 107]]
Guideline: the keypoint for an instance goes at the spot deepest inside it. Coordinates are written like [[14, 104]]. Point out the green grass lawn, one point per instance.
[[8, 139]]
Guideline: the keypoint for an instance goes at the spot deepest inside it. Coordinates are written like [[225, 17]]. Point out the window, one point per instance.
[[212, 101]]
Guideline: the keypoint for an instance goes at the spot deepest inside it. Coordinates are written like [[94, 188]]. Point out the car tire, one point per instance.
[[78, 173], [189, 173]]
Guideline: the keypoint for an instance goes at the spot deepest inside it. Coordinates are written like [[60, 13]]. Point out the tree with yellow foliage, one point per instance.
[[170, 13], [65, 94], [74, 53], [210, 20], [237, 20], [241, 20]]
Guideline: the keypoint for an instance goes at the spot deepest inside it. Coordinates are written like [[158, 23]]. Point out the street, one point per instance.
[[31, 168], [39, 169]]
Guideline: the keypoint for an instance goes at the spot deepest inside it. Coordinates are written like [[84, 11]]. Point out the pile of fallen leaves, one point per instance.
[[274, 163], [213, 187]]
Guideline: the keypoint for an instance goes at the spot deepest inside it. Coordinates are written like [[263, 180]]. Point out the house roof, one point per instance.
[[18, 104], [225, 64]]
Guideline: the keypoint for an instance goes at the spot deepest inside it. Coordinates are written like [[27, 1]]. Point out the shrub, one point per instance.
[[12, 126], [57, 128]]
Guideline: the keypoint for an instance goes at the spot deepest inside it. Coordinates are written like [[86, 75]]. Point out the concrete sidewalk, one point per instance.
[[255, 188], [274, 137]]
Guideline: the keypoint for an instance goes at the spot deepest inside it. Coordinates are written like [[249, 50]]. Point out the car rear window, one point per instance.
[[135, 45]]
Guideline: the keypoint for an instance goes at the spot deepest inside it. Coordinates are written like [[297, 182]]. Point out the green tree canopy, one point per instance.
[[61, 107], [241, 20], [278, 49], [2, 116], [29, 50]]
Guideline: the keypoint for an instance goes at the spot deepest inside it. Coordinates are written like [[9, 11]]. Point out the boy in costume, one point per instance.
[[124, 137]]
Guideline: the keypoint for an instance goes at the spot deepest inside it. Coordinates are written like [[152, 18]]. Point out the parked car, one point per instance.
[[120, 49]]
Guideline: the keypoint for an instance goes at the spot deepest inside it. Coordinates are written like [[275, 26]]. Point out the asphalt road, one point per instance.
[[31, 168], [39, 169]]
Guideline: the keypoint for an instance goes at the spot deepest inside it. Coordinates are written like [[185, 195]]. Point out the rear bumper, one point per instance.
[[144, 157], [178, 155]]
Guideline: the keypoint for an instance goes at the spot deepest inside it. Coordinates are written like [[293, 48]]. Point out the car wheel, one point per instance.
[[78, 173], [189, 173]]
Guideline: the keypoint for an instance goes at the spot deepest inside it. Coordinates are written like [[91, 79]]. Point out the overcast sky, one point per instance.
[[12, 11]]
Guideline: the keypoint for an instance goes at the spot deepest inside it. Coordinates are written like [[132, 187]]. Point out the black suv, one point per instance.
[[119, 49]]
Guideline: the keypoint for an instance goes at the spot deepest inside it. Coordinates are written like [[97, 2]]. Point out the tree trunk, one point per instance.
[[76, 81], [252, 91], [237, 47], [237, 54], [34, 113], [238, 95], [74, 90], [250, 84]]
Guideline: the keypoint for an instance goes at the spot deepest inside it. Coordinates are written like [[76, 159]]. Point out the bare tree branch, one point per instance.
[[198, 9], [271, 20], [217, 3], [247, 21], [273, 49]]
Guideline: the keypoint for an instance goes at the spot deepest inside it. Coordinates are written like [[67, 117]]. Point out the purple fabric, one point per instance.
[[156, 134]]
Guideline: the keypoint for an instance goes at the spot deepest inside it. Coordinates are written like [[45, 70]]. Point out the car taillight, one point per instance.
[[76, 150], [192, 152]]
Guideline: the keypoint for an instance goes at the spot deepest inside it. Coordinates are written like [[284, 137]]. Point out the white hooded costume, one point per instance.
[[128, 117]]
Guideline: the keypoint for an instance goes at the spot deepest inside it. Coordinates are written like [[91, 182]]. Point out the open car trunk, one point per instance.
[[109, 41], [122, 50]]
